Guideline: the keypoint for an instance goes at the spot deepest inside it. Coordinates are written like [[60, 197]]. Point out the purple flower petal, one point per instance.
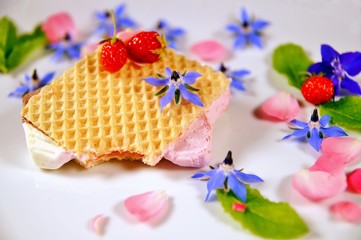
[[19, 91], [101, 16], [298, 133], [216, 181], [156, 81], [234, 28], [328, 53], [194, 98], [351, 85], [126, 22], [299, 123], [176, 32], [351, 62], [245, 16], [168, 72], [333, 131], [209, 173], [247, 178], [324, 120], [317, 68], [237, 187], [167, 98], [336, 84], [46, 79], [240, 41], [240, 73], [58, 54], [255, 39], [315, 140], [191, 77], [258, 25], [119, 10], [237, 84]]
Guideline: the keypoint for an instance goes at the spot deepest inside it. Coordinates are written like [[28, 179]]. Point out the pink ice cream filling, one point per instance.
[[194, 147]]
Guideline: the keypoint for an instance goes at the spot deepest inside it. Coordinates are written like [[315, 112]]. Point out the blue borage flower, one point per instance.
[[105, 27], [67, 47], [224, 176], [172, 35], [315, 130], [247, 31], [176, 85], [235, 76], [339, 68], [32, 83]]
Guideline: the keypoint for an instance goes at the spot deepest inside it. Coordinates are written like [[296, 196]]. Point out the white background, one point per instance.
[[38, 204]]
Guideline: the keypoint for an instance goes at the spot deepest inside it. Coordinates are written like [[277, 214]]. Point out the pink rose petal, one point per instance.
[[347, 211], [329, 163], [318, 185], [98, 224], [147, 206], [346, 148], [89, 48], [282, 107], [354, 181], [210, 50], [56, 26], [126, 35]]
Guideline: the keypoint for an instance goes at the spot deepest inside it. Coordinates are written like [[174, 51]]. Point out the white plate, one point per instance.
[[38, 204]]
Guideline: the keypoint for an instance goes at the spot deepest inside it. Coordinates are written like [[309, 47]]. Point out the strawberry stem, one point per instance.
[[114, 38]]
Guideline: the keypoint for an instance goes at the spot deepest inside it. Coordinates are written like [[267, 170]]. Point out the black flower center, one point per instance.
[[35, 77], [223, 68], [160, 25], [314, 117], [67, 37], [228, 160], [107, 14], [245, 24], [175, 76]]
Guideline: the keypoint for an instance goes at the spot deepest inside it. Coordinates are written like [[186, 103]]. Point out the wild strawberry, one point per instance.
[[113, 55], [318, 90], [146, 47]]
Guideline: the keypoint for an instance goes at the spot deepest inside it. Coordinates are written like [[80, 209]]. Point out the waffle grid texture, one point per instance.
[[99, 115]]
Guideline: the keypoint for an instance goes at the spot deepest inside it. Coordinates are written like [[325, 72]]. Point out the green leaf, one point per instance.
[[345, 112], [177, 96], [3, 67], [292, 61], [264, 218], [163, 90], [7, 35], [189, 87], [26, 44]]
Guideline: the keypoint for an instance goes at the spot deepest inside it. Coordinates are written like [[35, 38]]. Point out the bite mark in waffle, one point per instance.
[[97, 115]]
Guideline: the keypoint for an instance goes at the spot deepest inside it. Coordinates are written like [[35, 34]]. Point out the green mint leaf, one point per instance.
[[25, 45], [345, 112], [292, 61], [3, 68], [7, 35], [264, 218]]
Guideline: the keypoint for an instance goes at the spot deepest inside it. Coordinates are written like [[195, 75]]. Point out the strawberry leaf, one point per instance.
[[264, 218], [291, 61], [7, 35], [345, 112]]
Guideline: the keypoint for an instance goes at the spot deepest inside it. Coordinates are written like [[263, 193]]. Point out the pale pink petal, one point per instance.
[[126, 35], [318, 185], [89, 48], [282, 106], [239, 207], [347, 211], [210, 50], [347, 148], [56, 26], [98, 224], [147, 206], [329, 163], [354, 181]]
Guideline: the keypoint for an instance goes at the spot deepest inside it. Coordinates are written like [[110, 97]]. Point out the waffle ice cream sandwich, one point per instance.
[[91, 116]]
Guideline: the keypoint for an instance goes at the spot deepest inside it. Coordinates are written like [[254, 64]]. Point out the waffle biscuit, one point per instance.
[[95, 115]]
